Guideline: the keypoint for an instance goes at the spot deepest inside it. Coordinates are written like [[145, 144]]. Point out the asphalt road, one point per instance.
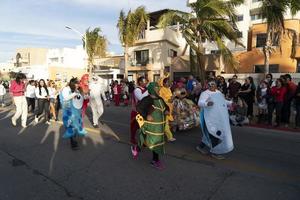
[[36, 163]]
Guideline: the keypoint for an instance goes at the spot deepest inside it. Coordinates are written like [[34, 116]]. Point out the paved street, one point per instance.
[[36, 163]]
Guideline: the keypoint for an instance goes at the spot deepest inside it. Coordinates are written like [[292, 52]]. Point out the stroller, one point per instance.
[[238, 113]]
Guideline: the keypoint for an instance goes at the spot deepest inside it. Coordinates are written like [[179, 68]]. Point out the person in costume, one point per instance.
[[214, 120], [185, 111], [152, 121], [166, 94], [96, 95], [84, 87], [72, 105], [138, 94]]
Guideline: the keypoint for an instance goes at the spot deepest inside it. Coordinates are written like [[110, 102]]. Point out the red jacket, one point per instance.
[[17, 89], [278, 93]]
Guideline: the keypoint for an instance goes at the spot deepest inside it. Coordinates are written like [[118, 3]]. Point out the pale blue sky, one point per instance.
[[41, 23]]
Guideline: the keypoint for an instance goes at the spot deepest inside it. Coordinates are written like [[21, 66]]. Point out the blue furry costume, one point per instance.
[[72, 117]]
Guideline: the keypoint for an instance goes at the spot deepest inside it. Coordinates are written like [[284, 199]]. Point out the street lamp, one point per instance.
[[83, 37]]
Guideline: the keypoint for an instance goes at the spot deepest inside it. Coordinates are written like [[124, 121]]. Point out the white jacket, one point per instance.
[[96, 91]]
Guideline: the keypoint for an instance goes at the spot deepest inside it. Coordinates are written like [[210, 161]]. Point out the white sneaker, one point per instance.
[[47, 122], [14, 123], [24, 126], [36, 119], [3, 105]]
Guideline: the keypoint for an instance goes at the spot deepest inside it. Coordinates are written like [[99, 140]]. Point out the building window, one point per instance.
[[142, 35], [215, 52], [256, 17], [142, 57], [167, 69], [239, 34], [274, 68], [120, 76], [172, 53], [261, 40], [156, 77], [54, 59], [240, 18]]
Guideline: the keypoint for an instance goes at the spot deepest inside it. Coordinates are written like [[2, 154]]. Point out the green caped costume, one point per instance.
[[151, 133]]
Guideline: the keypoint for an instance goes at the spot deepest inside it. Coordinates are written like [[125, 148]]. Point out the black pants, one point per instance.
[[57, 106], [31, 102], [297, 119], [155, 156], [43, 105], [250, 107], [286, 112], [278, 108]]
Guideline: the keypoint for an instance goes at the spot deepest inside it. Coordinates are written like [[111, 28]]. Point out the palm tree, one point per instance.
[[130, 26], [273, 12], [96, 45], [211, 20]]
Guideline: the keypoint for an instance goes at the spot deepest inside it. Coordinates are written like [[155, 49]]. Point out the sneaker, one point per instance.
[[201, 150], [172, 140], [14, 123], [134, 152], [47, 122], [24, 125], [218, 157], [157, 164], [3, 105], [36, 119], [95, 125]]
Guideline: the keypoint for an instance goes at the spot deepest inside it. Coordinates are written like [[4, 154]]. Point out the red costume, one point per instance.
[[133, 123], [117, 94], [84, 86]]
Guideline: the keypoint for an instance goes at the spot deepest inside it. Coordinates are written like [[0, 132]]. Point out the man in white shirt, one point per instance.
[[2, 94], [139, 93], [96, 92]]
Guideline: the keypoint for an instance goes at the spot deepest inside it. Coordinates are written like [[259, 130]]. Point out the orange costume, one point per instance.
[[84, 87]]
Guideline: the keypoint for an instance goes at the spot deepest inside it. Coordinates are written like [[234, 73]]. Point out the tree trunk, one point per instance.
[[90, 67], [126, 62], [267, 52], [200, 70]]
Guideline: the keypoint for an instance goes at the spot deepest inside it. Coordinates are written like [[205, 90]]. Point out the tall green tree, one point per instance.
[[273, 12], [96, 45], [210, 20], [130, 26]]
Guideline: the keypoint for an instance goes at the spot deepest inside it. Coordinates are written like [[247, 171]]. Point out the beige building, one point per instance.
[[30, 57], [155, 49], [109, 68]]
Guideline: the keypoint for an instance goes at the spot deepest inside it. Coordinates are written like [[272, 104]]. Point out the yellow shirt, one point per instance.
[[166, 94]]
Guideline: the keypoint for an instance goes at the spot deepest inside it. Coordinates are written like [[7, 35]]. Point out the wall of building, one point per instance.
[[159, 42], [32, 56], [282, 57]]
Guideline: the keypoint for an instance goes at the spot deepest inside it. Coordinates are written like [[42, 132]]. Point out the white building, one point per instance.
[[109, 68], [65, 63], [153, 52], [6, 67], [248, 15]]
